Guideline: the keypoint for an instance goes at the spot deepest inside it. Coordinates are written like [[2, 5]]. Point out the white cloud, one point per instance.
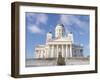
[[36, 29], [67, 30], [64, 19], [87, 46], [81, 33], [71, 20], [35, 20], [41, 18]]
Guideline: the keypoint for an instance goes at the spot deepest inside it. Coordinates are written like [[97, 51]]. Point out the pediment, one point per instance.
[[60, 39]]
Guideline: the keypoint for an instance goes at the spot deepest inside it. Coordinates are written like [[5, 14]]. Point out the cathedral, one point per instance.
[[61, 43]]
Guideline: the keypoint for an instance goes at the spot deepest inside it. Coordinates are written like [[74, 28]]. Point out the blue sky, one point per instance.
[[38, 24]]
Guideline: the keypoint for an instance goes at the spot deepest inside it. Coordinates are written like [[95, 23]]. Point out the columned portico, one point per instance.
[[65, 50]]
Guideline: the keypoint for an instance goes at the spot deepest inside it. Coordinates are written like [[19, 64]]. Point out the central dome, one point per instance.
[[59, 31], [59, 26]]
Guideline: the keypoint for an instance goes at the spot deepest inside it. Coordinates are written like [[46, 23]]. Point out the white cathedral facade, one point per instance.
[[61, 43]]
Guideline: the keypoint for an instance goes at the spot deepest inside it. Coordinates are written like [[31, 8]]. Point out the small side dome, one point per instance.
[[49, 33], [49, 36], [71, 32], [70, 36]]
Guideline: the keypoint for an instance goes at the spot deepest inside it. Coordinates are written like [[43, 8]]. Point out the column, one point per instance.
[[66, 51], [54, 55], [70, 50], [52, 51], [39, 53], [57, 50], [45, 53], [62, 51], [49, 52]]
